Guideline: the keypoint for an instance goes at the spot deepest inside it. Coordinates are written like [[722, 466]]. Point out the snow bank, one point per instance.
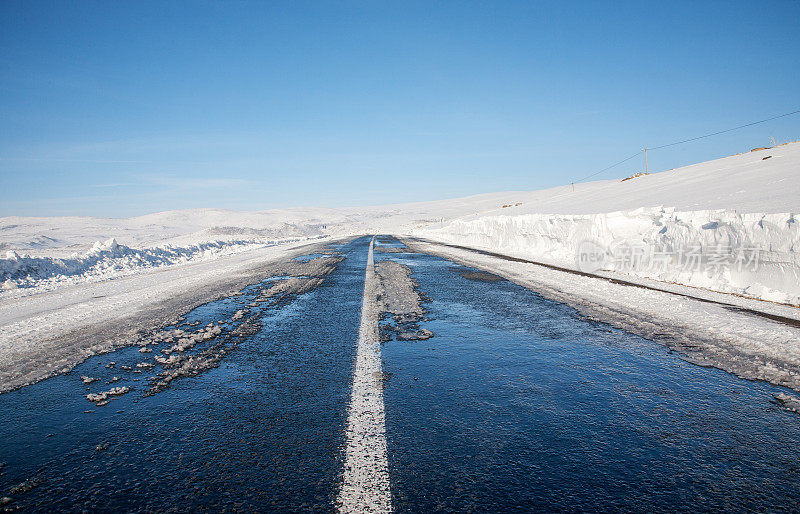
[[729, 225], [753, 254], [110, 257]]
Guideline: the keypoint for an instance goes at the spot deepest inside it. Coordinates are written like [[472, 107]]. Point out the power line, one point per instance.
[[723, 131], [684, 141], [608, 168]]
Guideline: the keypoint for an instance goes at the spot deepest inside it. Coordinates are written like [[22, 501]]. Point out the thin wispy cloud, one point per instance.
[[84, 161], [176, 182], [118, 184], [195, 182]]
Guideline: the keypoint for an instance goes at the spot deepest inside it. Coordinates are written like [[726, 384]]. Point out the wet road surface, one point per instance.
[[515, 403]]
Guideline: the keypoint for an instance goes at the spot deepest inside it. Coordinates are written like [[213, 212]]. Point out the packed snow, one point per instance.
[[399, 296], [108, 260], [103, 398], [752, 254]]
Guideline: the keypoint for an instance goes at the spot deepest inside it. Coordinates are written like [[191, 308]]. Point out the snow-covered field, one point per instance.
[[726, 226]]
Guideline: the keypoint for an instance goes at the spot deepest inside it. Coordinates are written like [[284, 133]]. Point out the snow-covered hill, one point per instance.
[[727, 225]]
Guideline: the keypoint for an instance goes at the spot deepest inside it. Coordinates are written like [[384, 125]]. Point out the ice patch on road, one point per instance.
[[188, 366], [100, 399], [177, 363], [190, 340]]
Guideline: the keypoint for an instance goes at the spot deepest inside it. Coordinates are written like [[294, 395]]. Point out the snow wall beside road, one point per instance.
[[752, 254]]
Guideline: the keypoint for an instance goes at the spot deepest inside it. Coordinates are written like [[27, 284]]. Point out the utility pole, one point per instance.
[[645, 161]]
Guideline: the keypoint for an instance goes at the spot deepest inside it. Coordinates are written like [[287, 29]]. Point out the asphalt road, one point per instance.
[[515, 404]]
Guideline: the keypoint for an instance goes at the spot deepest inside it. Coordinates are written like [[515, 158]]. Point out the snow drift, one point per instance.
[[754, 255], [107, 259], [714, 244]]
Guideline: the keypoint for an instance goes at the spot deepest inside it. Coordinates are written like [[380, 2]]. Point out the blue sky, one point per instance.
[[125, 108]]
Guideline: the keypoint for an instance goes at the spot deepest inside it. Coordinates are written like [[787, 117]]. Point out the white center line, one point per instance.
[[366, 471]]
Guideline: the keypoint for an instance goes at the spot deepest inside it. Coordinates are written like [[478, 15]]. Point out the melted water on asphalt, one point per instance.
[[517, 403], [261, 431]]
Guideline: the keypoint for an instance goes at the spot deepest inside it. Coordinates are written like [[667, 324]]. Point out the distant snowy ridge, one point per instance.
[[750, 254], [111, 258]]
